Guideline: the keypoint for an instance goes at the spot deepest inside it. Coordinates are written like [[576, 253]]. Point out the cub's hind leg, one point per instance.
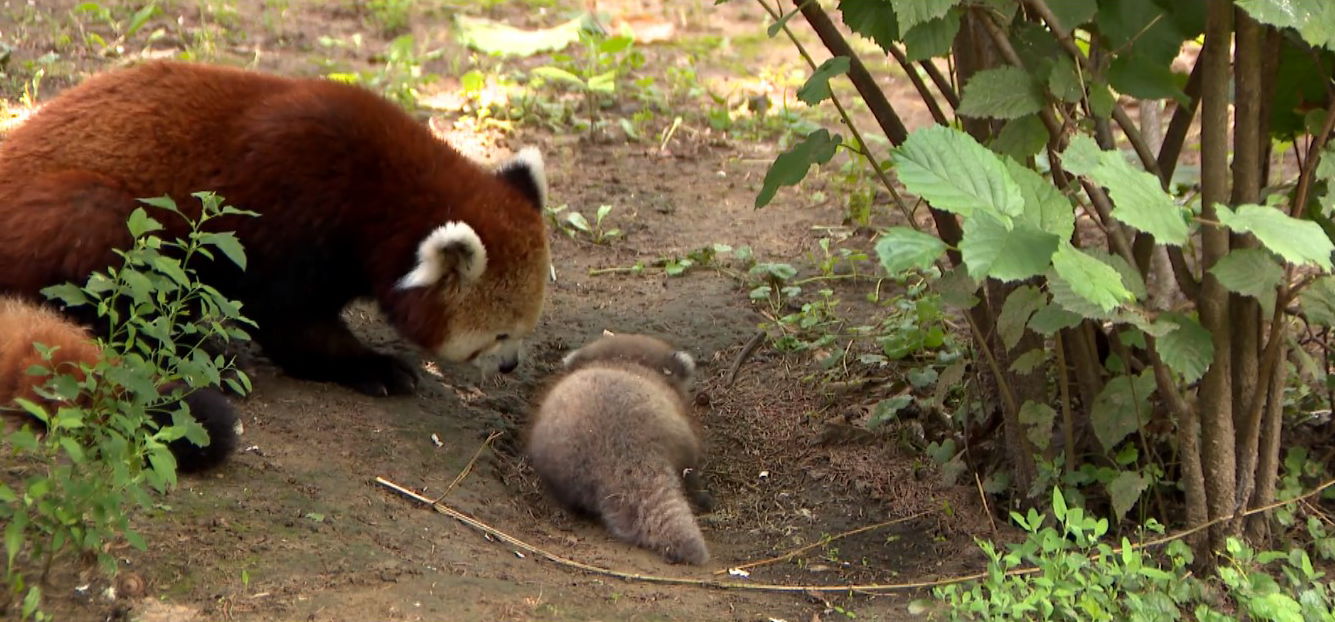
[[324, 349]]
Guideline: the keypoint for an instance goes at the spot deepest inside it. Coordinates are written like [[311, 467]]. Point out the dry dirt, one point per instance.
[[296, 528]]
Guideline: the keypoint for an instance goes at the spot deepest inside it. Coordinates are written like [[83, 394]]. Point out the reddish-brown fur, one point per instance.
[[24, 325], [347, 185]]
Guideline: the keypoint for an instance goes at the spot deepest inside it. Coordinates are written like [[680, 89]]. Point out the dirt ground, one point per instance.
[[296, 527]]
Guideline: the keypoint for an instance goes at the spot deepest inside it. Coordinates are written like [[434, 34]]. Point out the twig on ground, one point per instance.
[[822, 542], [987, 509], [747, 351], [468, 468]]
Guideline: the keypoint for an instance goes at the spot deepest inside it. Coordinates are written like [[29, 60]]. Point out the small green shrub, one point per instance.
[[102, 456]]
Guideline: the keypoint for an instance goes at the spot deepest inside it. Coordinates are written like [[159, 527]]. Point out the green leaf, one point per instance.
[[1065, 81], [1021, 138], [1120, 407], [817, 87], [1250, 272], [874, 19], [1037, 420], [957, 289], [932, 38], [791, 166], [1029, 361], [1006, 92], [914, 12], [1124, 490], [1090, 278], [1313, 19], [1101, 100], [67, 293], [953, 172], [604, 82], [1143, 78], [1020, 304], [1052, 318], [991, 249], [1139, 200], [1187, 350], [1072, 14], [1318, 301], [901, 248], [228, 244], [1297, 241], [774, 29], [140, 222], [499, 39], [556, 74], [1045, 207]]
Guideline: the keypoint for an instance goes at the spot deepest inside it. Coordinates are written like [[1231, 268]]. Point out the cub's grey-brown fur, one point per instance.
[[612, 438]]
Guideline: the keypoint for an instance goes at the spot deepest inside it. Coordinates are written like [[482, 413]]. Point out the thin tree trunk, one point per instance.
[[1215, 403]]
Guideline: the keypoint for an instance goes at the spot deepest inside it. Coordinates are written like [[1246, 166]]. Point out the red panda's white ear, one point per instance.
[[685, 362], [526, 172], [453, 252]]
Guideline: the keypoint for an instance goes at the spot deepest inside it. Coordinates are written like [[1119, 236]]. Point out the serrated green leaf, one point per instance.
[[1045, 207], [556, 74], [66, 293], [1144, 78], [1064, 81], [1071, 14], [1006, 92], [1121, 407], [874, 19], [1297, 241], [901, 248], [1318, 301], [140, 223], [953, 172], [817, 87], [1029, 361], [1052, 318], [1124, 490], [1138, 199], [991, 249], [1250, 272], [1037, 421], [1021, 138], [914, 12], [791, 166], [228, 243], [1188, 349], [1313, 19], [604, 82], [957, 289], [1101, 100], [1020, 304], [1089, 278], [932, 38]]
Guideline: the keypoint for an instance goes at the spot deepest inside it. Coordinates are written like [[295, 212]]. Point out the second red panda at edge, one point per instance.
[[612, 437], [23, 325], [355, 198]]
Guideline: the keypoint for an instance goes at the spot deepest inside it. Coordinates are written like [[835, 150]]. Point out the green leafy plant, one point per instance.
[[574, 223], [1182, 383], [102, 455], [595, 74], [403, 71]]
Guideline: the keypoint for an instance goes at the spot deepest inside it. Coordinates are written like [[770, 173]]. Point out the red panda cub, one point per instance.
[[612, 438], [23, 324]]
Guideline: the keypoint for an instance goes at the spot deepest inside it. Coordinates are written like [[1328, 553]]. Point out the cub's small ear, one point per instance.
[[452, 253], [525, 171], [682, 364]]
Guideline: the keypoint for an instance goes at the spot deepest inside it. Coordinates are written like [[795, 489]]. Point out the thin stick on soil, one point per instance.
[[468, 468], [987, 509], [771, 587], [747, 351], [822, 542]]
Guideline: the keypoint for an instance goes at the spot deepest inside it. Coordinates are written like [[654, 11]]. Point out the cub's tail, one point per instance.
[[652, 512], [216, 415]]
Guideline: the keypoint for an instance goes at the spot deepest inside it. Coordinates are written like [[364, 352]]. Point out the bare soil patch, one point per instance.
[[294, 528]]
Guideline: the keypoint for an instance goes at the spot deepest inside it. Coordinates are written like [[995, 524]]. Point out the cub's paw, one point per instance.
[[380, 375]]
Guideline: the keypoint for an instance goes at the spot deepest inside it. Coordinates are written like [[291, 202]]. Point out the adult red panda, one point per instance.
[[355, 199], [23, 325], [612, 438]]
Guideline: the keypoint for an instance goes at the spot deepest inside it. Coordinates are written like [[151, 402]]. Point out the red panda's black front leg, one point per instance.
[[326, 350]]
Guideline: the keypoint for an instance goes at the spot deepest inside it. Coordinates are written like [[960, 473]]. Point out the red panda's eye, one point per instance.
[[502, 336]]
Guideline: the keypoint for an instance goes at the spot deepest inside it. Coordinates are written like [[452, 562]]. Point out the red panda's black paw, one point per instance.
[[381, 375]]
